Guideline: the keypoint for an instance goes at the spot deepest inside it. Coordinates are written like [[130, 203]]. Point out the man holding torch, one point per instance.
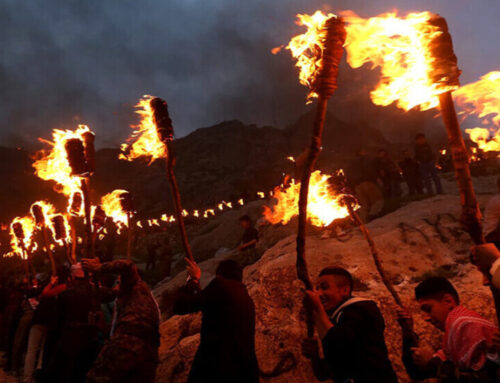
[[351, 330]]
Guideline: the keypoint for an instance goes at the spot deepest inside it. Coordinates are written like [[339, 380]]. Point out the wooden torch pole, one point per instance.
[[324, 85], [166, 134], [446, 73]]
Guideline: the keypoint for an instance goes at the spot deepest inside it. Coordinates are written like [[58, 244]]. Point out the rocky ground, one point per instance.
[[418, 240]]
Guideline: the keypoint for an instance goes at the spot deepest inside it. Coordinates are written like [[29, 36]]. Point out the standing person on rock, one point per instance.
[[468, 354], [427, 164], [227, 341], [247, 246], [351, 331], [131, 353]]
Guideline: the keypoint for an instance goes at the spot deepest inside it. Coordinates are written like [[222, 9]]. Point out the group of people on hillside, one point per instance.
[[100, 324], [376, 180]]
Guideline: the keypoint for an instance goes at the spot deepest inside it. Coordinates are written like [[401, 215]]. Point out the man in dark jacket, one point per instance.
[[131, 353], [427, 164], [351, 331], [411, 174], [227, 346]]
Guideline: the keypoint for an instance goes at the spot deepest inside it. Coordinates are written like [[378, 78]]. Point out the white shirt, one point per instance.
[[492, 215]]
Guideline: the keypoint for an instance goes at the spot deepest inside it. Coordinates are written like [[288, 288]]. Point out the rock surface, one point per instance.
[[422, 238]]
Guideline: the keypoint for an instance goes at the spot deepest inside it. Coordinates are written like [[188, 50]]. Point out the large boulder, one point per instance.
[[421, 239]]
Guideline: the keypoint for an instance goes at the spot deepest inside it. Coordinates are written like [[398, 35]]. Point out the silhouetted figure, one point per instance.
[[152, 249], [227, 346], [362, 178], [131, 353], [390, 175], [427, 164], [351, 331], [247, 245], [411, 174]]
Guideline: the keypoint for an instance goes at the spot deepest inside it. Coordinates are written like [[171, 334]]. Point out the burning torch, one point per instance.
[[20, 235], [127, 204], [165, 132], [61, 234], [80, 154], [445, 71], [39, 216], [74, 210]]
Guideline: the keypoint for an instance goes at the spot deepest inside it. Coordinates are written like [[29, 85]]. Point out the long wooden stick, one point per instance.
[[88, 219], [48, 250], [471, 215], [129, 235], [176, 197], [374, 252]]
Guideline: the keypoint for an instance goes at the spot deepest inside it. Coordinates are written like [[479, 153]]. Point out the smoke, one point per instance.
[[66, 62]]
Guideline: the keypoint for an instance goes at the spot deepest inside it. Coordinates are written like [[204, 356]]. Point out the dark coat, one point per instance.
[[355, 347], [227, 344]]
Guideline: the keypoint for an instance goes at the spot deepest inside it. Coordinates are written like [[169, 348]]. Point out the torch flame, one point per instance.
[[144, 141], [401, 48], [323, 206], [20, 244], [308, 48], [111, 204], [53, 165]]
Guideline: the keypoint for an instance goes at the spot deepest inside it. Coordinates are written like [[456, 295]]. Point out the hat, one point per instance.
[[77, 271]]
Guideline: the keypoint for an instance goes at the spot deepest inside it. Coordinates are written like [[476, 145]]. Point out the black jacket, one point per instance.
[[227, 343], [355, 347]]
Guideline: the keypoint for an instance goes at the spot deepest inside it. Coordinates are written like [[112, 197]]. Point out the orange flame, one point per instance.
[[48, 210], [400, 47], [484, 140], [323, 206], [308, 47], [144, 141], [111, 204], [53, 164], [481, 98], [19, 245]]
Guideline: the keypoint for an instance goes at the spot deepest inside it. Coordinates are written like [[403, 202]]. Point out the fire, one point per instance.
[[144, 141], [401, 48], [322, 209], [111, 204], [482, 137], [48, 210], [60, 228], [482, 97], [21, 234], [308, 47], [53, 164]]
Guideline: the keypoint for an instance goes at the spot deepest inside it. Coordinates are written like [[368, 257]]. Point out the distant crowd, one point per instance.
[[376, 181]]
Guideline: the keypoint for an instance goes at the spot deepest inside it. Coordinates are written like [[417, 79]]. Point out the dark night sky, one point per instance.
[[88, 61]]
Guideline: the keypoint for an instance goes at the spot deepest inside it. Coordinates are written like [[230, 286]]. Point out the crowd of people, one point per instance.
[[98, 322], [376, 180]]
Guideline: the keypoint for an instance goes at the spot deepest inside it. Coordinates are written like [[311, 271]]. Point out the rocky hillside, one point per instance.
[[418, 240], [225, 161]]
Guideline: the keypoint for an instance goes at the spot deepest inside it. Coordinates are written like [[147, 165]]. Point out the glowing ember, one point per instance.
[[112, 206], [144, 141], [401, 48], [308, 48], [53, 165], [21, 233], [322, 209]]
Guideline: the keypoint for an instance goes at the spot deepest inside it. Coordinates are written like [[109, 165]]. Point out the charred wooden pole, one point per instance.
[[127, 204], [98, 222], [19, 233], [165, 132], [324, 85], [74, 211], [373, 250], [446, 72], [60, 234], [37, 212], [80, 158]]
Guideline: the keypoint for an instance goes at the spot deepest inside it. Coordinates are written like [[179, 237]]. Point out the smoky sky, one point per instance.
[[89, 61]]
